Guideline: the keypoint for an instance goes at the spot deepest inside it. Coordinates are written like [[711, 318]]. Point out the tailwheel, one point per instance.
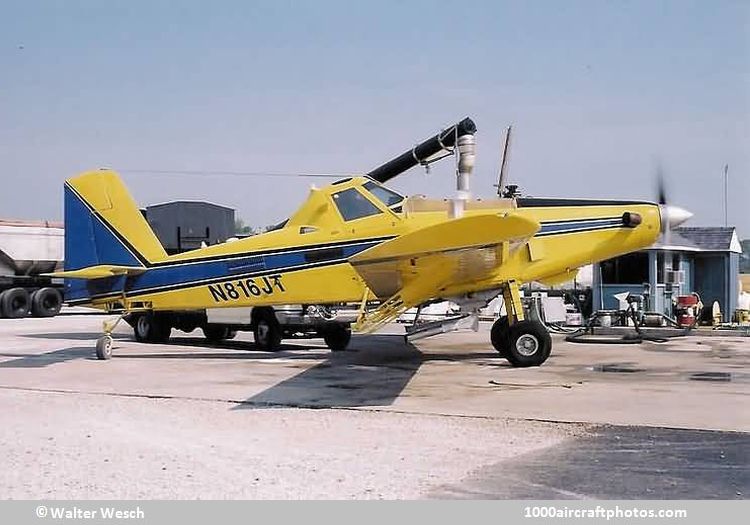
[[104, 347], [529, 344]]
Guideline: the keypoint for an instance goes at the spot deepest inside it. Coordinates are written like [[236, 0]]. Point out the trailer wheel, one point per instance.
[[46, 302], [14, 303], [215, 333], [529, 344], [151, 328], [336, 336], [267, 331]]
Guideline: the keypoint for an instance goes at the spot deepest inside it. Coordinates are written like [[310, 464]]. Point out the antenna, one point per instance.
[[726, 194], [503, 164]]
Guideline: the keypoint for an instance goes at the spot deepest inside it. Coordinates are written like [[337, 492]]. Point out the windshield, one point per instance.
[[353, 205], [384, 195]]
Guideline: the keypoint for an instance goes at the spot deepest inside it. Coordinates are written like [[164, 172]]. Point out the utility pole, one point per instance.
[[726, 194]]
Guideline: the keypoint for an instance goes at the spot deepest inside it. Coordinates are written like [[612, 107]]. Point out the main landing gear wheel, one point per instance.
[[336, 336], [529, 344], [150, 328], [216, 333], [104, 347], [499, 335], [267, 332]]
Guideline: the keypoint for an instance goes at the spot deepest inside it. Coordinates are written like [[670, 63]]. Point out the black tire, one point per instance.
[[104, 347], [267, 331], [46, 302], [14, 303], [216, 332], [529, 344], [499, 335], [336, 336], [151, 328]]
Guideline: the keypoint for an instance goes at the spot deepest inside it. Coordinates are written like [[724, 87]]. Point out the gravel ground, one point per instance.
[[83, 446]]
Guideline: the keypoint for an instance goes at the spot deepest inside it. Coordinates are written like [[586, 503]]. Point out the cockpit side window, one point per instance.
[[353, 205], [384, 195]]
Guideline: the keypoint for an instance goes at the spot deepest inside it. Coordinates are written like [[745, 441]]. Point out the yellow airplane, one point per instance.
[[351, 242]]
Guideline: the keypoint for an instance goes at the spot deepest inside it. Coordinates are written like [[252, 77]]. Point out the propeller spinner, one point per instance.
[[671, 216]]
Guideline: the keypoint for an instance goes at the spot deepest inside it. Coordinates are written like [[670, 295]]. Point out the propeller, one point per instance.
[[671, 216], [661, 185]]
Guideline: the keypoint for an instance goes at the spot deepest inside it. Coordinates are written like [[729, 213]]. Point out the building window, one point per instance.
[[627, 269]]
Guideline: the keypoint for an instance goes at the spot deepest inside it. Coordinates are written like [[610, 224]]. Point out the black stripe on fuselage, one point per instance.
[[534, 202], [299, 248]]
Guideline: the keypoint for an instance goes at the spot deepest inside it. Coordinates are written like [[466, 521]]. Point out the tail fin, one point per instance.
[[103, 225]]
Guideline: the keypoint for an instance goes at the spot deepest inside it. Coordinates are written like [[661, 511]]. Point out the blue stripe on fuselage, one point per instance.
[[190, 273]]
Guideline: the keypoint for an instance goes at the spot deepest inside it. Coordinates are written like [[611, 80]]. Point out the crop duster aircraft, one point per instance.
[[353, 242]]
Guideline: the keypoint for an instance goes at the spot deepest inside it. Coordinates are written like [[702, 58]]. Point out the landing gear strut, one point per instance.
[[104, 343], [522, 342]]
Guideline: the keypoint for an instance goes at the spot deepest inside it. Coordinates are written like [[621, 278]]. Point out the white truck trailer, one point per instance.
[[28, 250]]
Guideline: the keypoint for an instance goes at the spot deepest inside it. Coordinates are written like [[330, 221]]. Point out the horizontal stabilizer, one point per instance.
[[98, 272]]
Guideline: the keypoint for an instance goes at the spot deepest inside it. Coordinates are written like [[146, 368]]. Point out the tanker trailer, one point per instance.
[[28, 250]]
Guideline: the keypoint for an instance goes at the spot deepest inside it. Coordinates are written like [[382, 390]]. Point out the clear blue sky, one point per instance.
[[599, 93]]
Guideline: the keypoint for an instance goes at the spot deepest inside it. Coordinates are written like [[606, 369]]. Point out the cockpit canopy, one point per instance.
[[344, 201], [353, 203]]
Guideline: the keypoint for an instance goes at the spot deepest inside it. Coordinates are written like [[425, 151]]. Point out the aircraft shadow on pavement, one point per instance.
[[374, 373], [48, 358], [76, 336], [361, 377]]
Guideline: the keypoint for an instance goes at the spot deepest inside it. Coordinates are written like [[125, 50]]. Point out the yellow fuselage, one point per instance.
[[572, 234]]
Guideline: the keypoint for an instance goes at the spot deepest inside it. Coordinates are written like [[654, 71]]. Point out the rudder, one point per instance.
[[103, 224]]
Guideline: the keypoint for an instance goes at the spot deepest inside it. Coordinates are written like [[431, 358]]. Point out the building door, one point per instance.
[[709, 277]]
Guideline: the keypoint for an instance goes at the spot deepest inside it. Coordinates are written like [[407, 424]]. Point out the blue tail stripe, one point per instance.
[[80, 243], [88, 242]]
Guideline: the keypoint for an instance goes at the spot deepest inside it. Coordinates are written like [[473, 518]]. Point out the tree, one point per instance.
[[240, 228], [745, 257]]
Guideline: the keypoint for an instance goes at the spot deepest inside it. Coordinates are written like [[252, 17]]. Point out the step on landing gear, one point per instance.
[[522, 342]]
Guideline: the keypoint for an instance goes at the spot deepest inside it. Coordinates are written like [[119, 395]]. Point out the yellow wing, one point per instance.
[[416, 267]]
